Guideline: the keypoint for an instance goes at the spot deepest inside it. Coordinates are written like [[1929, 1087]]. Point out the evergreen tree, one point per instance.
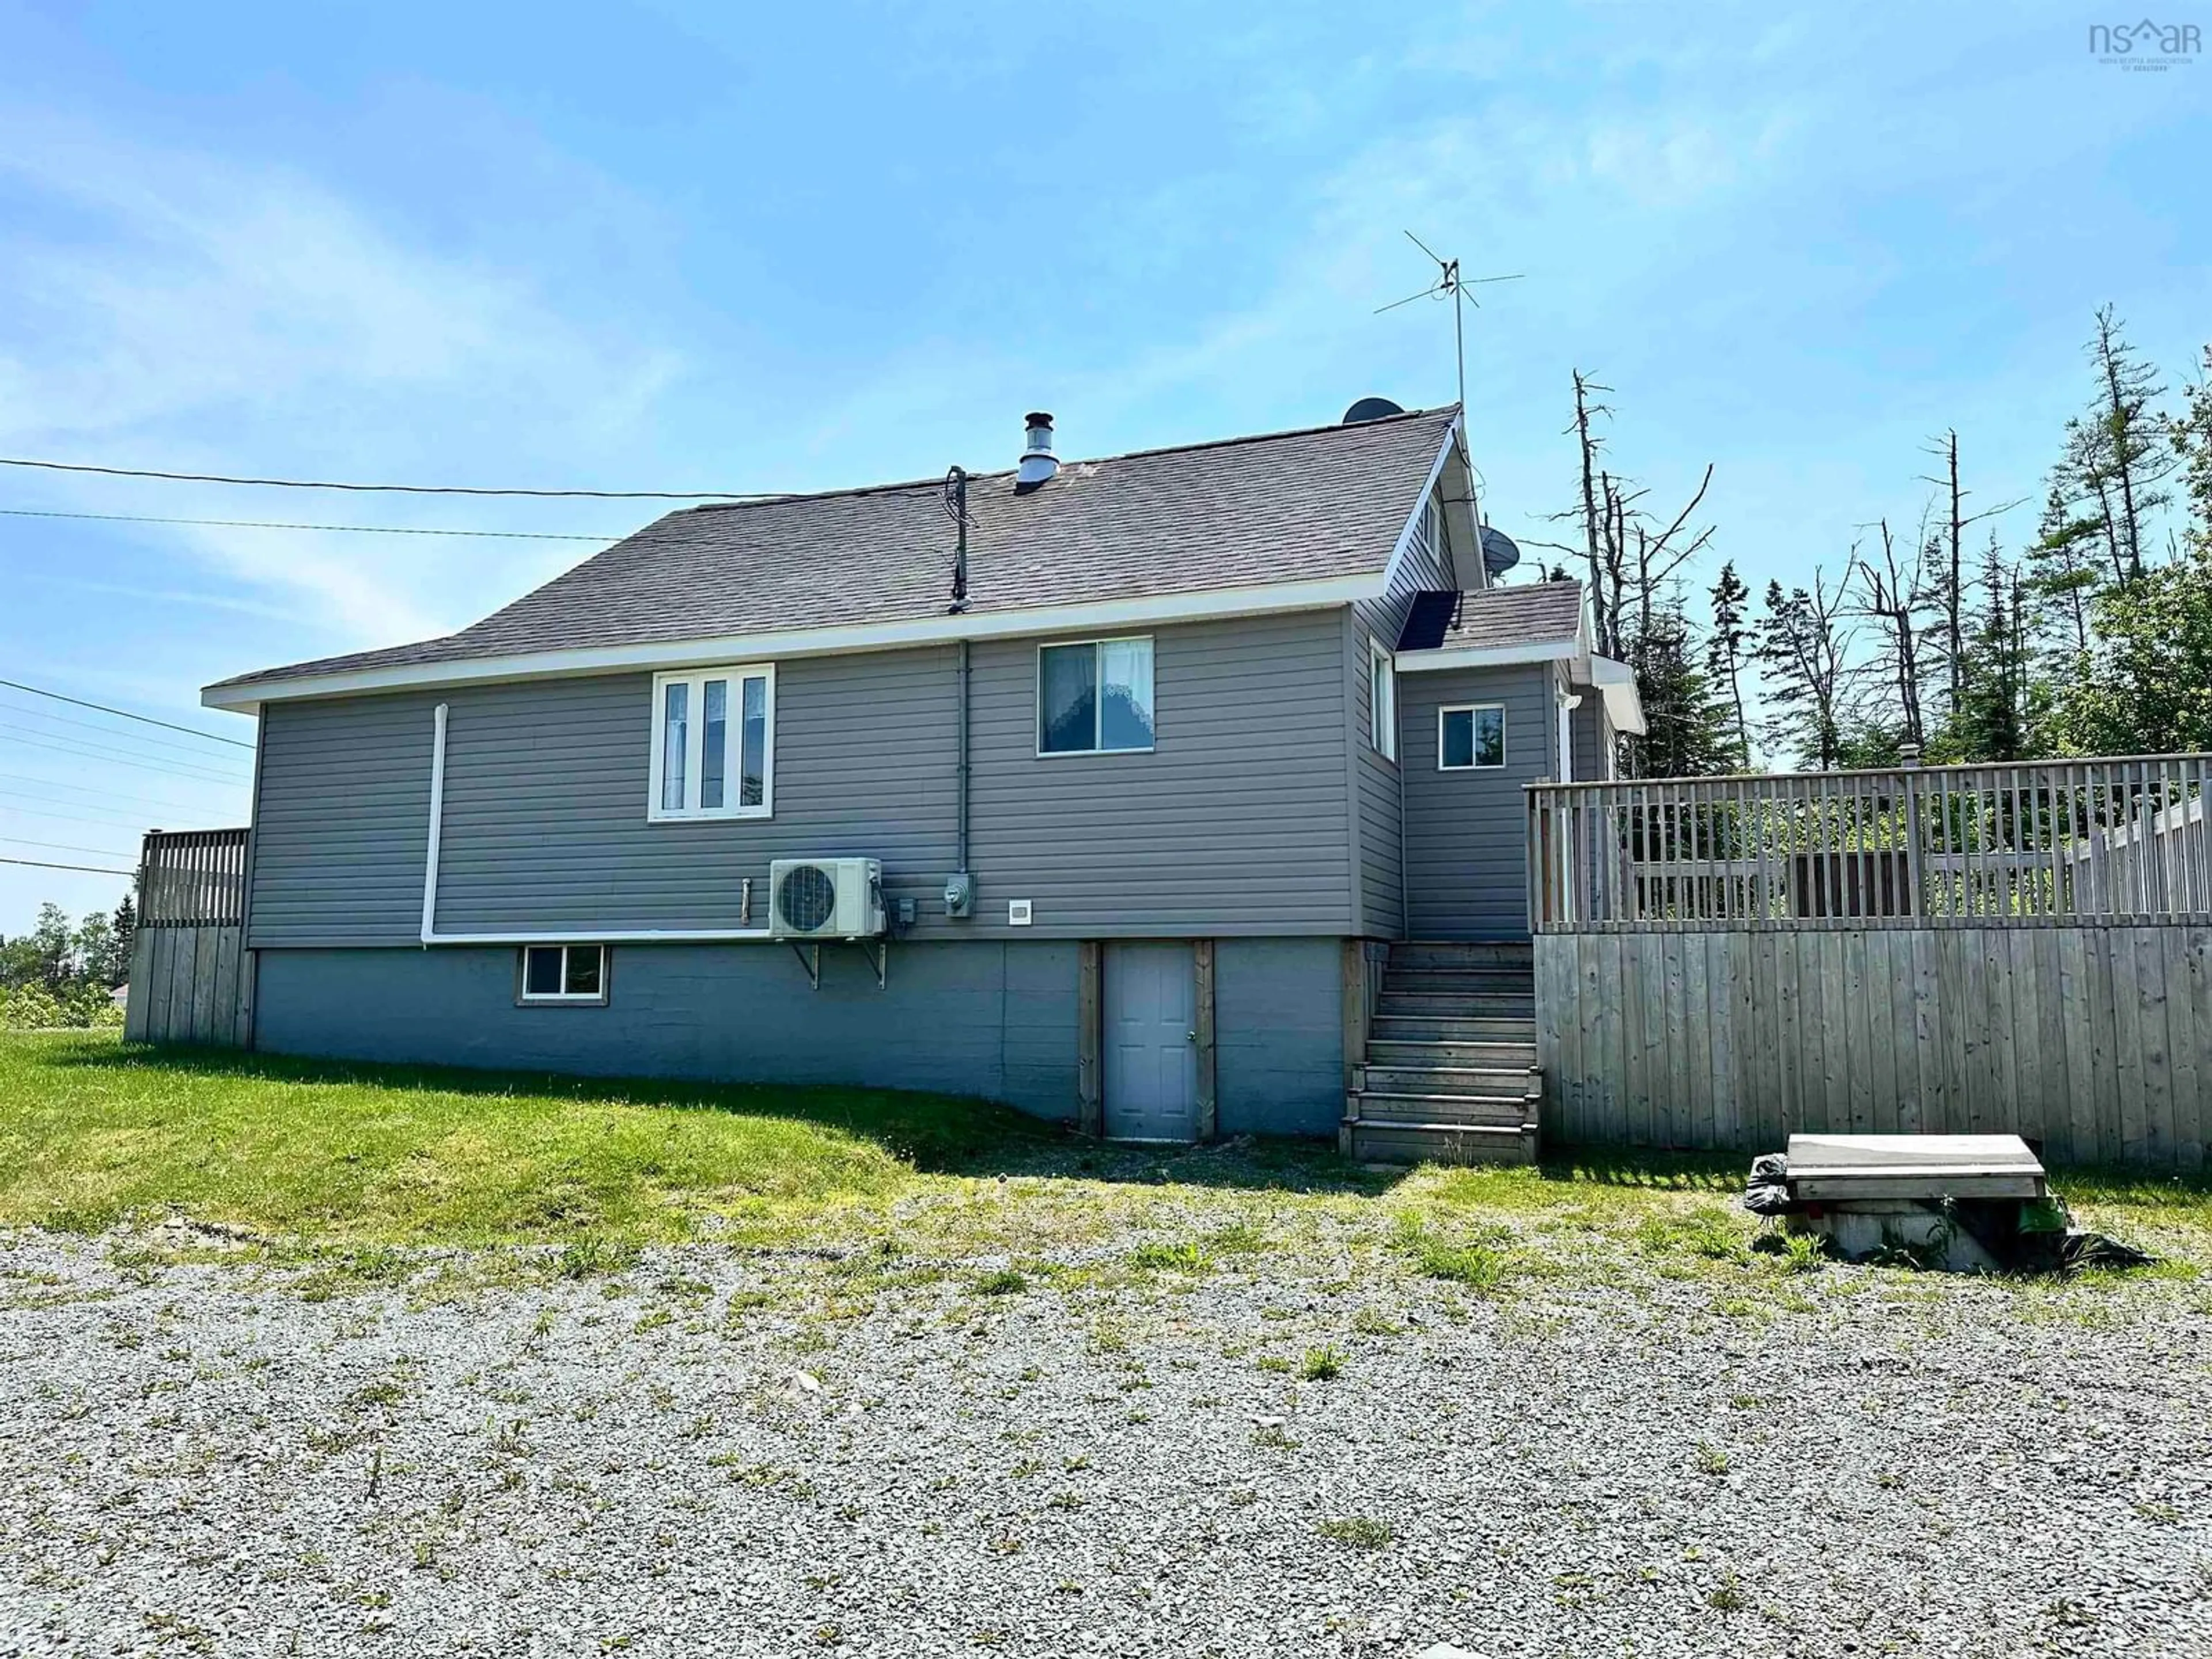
[[1724, 653], [2145, 686], [1990, 722], [2065, 572], [124, 932], [2190, 435], [2118, 452], [1804, 651], [1686, 730]]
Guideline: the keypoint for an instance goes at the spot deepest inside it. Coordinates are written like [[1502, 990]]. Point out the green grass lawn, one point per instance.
[[94, 1132]]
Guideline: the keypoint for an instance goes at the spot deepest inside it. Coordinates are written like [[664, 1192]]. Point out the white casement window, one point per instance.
[[1095, 697], [1470, 737], [562, 973], [714, 744], [1382, 701]]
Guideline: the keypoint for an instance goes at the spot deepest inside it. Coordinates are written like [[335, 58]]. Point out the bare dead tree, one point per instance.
[[1587, 447], [1950, 554], [1895, 598]]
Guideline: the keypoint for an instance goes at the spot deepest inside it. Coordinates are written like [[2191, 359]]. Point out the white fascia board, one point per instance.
[[1420, 502], [1487, 656], [246, 696], [1616, 684]]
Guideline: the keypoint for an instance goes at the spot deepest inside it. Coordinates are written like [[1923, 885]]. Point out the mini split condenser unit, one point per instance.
[[825, 898]]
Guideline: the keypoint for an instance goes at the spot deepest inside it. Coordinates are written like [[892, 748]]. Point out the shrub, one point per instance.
[[35, 1008]]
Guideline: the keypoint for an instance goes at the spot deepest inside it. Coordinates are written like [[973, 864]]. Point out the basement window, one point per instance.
[[561, 974], [1095, 697], [1471, 736], [714, 744]]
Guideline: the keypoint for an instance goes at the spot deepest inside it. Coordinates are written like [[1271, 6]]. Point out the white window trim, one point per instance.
[[1388, 747], [525, 995], [694, 741], [1497, 765], [1098, 713]]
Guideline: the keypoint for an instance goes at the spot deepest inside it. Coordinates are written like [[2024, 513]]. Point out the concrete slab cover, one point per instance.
[[1891, 1155]]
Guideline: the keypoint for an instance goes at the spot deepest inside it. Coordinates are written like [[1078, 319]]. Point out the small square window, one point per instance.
[[564, 972], [1471, 736], [1095, 697]]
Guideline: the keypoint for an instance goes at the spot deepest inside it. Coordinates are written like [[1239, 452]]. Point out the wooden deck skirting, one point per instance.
[[2096, 1041], [192, 976], [2023, 949]]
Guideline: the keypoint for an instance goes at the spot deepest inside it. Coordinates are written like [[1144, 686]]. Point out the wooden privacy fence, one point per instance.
[[2027, 948], [191, 977]]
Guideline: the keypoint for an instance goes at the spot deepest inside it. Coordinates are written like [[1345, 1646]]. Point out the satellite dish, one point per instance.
[[1500, 552], [1370, 408]]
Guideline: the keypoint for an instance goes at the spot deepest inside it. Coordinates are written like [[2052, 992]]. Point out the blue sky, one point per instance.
[[697, 246]]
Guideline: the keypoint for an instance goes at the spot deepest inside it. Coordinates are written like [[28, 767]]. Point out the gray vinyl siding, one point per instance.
[[1592, 738], [1424, 568], [546, 788], [996, 1020], [1374, 781], [1375, 799], [1238, 823], [1278, 1036], [1467, 831], [338, 825]]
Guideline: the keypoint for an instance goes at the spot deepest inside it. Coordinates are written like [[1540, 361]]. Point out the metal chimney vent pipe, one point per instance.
[[1038, 462]]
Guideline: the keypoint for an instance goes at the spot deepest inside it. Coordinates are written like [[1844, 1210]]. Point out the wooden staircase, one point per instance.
[[1451, 1073]]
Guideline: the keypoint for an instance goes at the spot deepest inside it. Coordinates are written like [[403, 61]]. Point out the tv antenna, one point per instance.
[[1450, 286]]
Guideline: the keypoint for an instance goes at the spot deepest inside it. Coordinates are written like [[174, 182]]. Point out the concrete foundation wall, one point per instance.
[[986, 1018], [991, 1019], [1278, 1036]]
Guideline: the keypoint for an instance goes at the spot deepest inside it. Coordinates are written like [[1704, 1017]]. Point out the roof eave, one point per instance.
[[248, 695], [1563, 648]]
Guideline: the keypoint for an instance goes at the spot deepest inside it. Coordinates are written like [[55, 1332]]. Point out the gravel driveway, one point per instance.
[[709, 1450]]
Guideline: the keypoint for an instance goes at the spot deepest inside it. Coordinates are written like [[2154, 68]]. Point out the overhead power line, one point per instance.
[[89, 869], [59, 743], [100, 820], [123, 714], [402, 489], [167, 745], [127, 802], [67, 847], [262, 524]]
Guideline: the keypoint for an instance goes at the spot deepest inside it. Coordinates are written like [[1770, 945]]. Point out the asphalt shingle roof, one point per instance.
[[1323, 502], [1522, 615]]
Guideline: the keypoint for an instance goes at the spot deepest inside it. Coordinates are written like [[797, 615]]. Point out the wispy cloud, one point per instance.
[[190, 312]]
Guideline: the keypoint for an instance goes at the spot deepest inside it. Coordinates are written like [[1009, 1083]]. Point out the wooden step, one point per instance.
[[1474, 1056], [1495, 1007], [1438, 1143], [1491, 1111], [1447, 982], [1525, 1083], [1442, 1027], [1452, 953]]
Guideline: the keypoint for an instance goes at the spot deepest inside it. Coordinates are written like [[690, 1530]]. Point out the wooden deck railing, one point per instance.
[[193, 879], [2118, 841]]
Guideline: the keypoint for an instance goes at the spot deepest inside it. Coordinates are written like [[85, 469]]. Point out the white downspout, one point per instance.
[[437, 824]]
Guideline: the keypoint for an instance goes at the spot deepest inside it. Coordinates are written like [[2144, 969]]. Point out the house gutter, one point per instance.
[[432, 842]]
